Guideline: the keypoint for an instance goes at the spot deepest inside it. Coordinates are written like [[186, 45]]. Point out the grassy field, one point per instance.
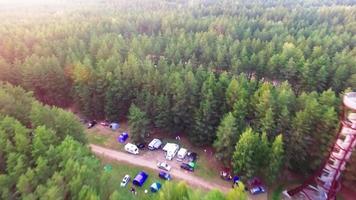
[[119, 170], [98, 139]]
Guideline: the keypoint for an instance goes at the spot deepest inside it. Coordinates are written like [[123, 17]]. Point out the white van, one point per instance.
[[171, 150], [154, 144], [131, 148], [181, 154]]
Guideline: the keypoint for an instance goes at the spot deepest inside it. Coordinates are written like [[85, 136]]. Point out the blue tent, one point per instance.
[[114, 126], [123, 137], [236, 179], [140, 178], [155, 187]]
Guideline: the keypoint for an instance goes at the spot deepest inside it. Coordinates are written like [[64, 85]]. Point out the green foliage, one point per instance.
[[62, 122], [254, 155], [214, 195], [276, 160], [247, 154], [174, 191], [15, 101], [138, 124], [162, 115], [206, 119], [238, 193], [226, 138], [263, 61]]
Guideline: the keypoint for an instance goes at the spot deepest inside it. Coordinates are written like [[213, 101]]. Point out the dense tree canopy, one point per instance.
[[47, 159], [222, 72]]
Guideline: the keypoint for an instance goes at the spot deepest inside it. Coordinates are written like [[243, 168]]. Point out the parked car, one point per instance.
[[192, 156], [164, 166], [181, 154], [141, 145], [155, 144], [165, 175], [105, 123], [131, 148], [187, 167], [257, 190], [255, 186], [125, 180], [92, 123]]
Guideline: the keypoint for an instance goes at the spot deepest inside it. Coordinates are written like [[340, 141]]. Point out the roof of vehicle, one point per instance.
[[154, 141], [130, 145], [182, 151], [170, 147]]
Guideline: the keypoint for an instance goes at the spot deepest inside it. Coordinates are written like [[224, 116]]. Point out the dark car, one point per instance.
[[92, 123], [187, 167], [141, 145], [164, 175], [192, 156]]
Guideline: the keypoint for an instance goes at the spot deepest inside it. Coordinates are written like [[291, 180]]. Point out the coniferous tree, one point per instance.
[[226, 138], [275, 159], [138, 124]]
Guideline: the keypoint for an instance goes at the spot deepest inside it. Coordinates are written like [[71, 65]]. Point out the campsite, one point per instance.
[[177, 99], [204, 168]]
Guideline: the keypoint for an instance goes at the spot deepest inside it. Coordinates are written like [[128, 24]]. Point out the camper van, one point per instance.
[[171, 150], [154, 144], [131, 148]]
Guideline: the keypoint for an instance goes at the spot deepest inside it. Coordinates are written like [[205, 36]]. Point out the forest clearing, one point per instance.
[[242, 98]]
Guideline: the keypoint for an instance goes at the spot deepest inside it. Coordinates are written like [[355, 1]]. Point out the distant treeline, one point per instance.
[[216, 71]]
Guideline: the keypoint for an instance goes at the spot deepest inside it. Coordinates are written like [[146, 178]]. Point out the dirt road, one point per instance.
[[140, 161]]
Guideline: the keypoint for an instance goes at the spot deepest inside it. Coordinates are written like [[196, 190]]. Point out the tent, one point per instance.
[[236, 179], [140, 178], [114, 126], [155, 187], [123, 137]]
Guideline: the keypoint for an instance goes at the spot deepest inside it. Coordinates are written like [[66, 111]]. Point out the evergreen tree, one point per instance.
[[275, 159], [246, 153], [162, 116], [138, 124], [226, 139], [203, 131]]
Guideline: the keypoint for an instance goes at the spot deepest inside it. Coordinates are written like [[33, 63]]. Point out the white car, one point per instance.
[[164, 166], [125, 180]]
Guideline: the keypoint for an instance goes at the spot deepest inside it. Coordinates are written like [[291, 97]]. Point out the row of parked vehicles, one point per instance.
[[142, 176], [171, 150]]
